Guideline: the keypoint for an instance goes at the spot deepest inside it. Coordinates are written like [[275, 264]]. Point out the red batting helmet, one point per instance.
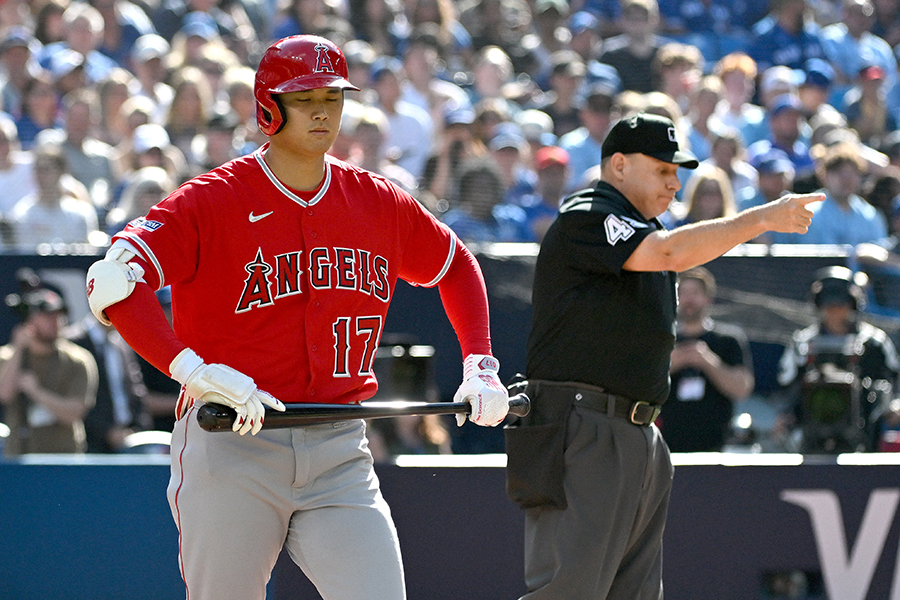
[[293, 64]]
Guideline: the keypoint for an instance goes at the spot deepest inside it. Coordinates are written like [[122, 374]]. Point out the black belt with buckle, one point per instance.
[[636, 411]]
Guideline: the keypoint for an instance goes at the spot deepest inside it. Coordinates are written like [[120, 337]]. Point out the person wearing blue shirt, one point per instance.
[[785, 36], [850, 45], [784, 124], [583, 144], [479, 214], [844, 217]]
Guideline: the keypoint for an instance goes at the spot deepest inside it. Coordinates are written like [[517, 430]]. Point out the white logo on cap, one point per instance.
[[672, 137]]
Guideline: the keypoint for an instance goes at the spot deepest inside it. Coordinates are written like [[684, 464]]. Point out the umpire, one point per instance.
[[588, 465]]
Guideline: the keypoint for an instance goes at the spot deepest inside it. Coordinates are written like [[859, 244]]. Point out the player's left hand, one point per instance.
[[481, 387]]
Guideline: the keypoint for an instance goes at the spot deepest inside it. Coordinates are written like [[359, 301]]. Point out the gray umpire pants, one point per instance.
[[607, 544]]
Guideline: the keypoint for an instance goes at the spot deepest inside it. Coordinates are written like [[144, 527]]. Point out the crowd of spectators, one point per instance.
[[487, 111]]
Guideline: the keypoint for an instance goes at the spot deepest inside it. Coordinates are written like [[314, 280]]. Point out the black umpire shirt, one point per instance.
[[594, 322]]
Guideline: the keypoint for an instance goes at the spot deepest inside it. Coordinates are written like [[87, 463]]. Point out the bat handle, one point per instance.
[[519, 405]]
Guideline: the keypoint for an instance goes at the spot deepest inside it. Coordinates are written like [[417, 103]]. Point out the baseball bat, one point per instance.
[[216, 417]]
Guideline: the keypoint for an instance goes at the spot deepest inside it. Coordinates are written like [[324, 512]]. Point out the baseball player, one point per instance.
[[282, 264]]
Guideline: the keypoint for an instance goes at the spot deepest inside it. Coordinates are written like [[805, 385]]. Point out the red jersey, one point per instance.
[[291, 288]]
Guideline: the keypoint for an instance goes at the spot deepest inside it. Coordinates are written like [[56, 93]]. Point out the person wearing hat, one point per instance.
[[866, 108], [839, 342], [146, 62], [775, 177], [588, 464], [19, 66], [84, 29], [47, 383], [457, 145], [596, 111], [786, 125], [551, 163]]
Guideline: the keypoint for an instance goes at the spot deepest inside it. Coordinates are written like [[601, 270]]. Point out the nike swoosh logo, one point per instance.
[[255, 218]]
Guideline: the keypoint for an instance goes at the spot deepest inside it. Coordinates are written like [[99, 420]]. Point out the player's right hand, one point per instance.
[[223, 385]]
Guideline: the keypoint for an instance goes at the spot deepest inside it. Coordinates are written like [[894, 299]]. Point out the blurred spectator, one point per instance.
[[705, 98], [371, 134], [677, 70], [89, 160], [16, 172], [18, 67], [48, 22], [850, 45], [776, 176], [440, 181], [887, 21], [222, 20], [500, 23], [736, 111], [560, 101], [51, 215], [238, 86], [312, 17], [149, 146], [785, 118], [552, 166], [68, 72], [112, 93], [117, 411], [881, 189], [40, 106], [490, 113], [711, 369], [707, 195], [727, 152], [410, 129], [146, 63], [865, 106], [450, 32], [787, 36], [492, 69], [144, 188], [537, 127], [47, 383], [360, 57], [423, 86], [381, 23], [479, 214], [218, 145], [189, 112], [198, 31], [844, 217], [583, 144], [584, 28], [84, 30], [633, 52], [815, 90], [123, 23], [710, 20], [511, 155]]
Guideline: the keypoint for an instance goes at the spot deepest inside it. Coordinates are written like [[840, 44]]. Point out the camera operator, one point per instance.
[[839, 372]]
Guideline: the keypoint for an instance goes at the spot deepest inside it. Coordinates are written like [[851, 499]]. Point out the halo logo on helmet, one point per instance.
[[293, 64]]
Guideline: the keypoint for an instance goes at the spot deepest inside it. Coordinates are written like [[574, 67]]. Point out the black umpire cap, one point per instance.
[[649, 134]]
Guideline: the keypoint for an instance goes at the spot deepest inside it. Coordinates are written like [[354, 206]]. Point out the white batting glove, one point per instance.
[[223, 385], [482, 389]]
